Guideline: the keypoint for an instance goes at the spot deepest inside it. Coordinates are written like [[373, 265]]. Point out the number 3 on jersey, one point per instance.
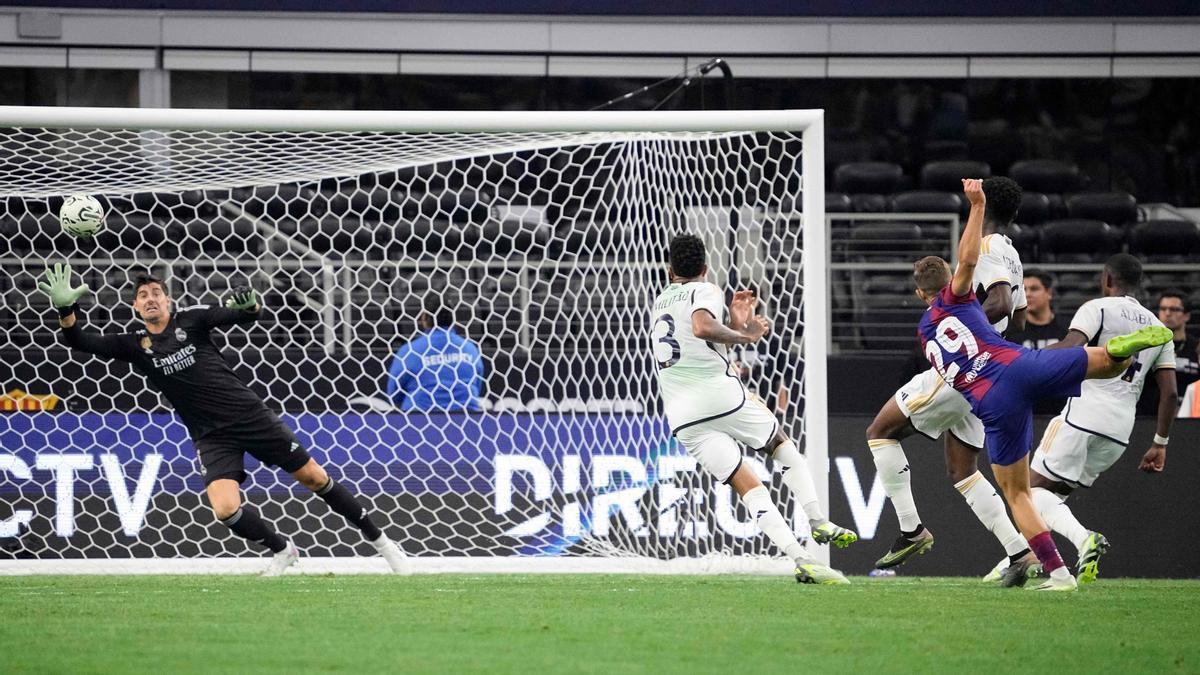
[[952, 336], [666, 347]]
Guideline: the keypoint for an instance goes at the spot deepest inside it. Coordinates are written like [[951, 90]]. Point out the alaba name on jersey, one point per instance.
[[998, 263], [1107, 407], [694, 376]]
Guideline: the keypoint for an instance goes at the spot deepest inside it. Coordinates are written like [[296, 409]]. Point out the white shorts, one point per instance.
[[714, 443], [1074, 456], [934, 407]]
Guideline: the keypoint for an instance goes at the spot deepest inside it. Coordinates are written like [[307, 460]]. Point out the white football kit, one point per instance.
[[1093, 429], [932, 406], [707, 407]]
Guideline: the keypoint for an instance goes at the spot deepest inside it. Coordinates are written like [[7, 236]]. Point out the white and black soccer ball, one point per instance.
[[81, 216]]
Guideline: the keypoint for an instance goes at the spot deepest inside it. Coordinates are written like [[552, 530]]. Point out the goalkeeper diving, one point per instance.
[[223, 416]]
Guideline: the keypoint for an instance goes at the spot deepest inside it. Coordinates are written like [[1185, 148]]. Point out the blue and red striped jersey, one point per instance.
[[962, 346]]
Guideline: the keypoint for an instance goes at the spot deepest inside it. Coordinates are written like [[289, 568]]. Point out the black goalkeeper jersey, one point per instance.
[[185, 365]]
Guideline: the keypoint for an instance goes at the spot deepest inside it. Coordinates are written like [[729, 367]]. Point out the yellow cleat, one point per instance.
[[816, 573], [828, 533]]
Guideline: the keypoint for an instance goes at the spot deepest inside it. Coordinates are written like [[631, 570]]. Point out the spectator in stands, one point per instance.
[[438, 370], [1174, 312], [1042, 326]]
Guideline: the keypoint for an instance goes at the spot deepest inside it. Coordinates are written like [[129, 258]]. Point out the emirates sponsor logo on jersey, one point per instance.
[[184, 358]]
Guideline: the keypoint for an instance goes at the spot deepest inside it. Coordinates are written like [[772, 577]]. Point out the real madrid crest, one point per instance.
[[181, 335], [146, 344]]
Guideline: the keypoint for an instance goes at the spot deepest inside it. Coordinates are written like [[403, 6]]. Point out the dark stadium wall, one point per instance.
[[859, 8], [1150, 519]]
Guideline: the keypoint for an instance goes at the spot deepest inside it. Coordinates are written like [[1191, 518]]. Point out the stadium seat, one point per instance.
[[880, 241], [926, 201], [947, 175], [929, 201], [1046, 175], [869, 203], [836, 202], [572, 237], [888, 313], [1114, 208], [1077, 241], [520, 236], [376, 205], [1166, 241], [946, 150], [1034, 209], [876, 177]]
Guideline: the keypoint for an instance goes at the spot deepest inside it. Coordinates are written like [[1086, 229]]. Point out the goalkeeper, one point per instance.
[[224, 418]]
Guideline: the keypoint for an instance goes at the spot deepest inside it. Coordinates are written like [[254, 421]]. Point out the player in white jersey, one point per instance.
[[1094, 427], [927, 405], [710, 412]]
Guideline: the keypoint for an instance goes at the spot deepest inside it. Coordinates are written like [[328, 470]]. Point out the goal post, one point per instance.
[[541, 234]]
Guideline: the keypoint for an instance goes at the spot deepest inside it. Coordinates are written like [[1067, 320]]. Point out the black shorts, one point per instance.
[[222, 452]]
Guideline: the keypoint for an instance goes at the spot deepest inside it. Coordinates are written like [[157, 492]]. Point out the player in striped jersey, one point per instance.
[[1094, 427], [926, 405], [1001, 380]]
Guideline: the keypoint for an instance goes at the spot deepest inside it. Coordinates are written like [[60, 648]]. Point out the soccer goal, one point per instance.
[[542, 235]]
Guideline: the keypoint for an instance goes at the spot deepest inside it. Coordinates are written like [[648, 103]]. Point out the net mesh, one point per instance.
[[545, 248]]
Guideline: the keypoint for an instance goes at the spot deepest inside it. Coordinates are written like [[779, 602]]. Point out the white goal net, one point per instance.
[[541, 236]]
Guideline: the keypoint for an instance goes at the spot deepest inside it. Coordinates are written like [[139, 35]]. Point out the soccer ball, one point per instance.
[[81, 216]]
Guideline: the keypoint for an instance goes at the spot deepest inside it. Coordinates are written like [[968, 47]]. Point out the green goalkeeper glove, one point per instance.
[[243, 299], [59, 288]]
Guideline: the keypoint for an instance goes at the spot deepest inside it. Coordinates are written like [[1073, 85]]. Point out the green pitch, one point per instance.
[[591, 624]]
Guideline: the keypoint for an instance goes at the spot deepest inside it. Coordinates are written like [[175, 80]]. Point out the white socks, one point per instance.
[[771, 522], [892, 465], [1059, 518], [989, 509], [799, 481]]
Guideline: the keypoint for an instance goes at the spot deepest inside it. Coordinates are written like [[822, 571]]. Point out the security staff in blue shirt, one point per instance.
[[438, 370]]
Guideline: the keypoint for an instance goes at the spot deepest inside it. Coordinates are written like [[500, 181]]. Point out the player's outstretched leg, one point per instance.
[[313, 477], [226, 500], [883, 438], [1113, 358], [758, 501], [799, 481]]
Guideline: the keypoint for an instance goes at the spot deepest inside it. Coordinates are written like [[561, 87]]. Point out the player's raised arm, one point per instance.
[[743, 328], [241, 306], [968, 246], [65, 299]]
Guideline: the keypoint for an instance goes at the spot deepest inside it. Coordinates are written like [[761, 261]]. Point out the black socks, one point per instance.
[[246, 523], [344, 503]]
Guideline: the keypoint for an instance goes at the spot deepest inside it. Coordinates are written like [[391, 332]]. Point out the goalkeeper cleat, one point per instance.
[[1066, 583], [1124, 346], [1088, 567], [816, 573], [1021, 571], [394, 556], [905, 548], [828, 533], [282, 560], [997, 572]]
